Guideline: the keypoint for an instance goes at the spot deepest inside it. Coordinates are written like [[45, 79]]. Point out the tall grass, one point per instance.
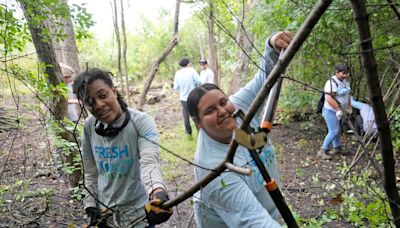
[[175, 140]]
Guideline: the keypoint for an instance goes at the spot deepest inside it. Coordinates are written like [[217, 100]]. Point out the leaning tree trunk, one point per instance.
[[154, 68], [47, 56], [375, 93]]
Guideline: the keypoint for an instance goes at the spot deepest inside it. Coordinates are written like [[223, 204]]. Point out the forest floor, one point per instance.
[[32, 194]]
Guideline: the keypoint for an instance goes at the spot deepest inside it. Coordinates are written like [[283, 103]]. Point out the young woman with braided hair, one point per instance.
[[121, 167]]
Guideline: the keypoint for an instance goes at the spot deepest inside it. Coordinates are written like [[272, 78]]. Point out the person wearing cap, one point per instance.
[[186, 79], [365, 122], [73, 103], [337, 99], [206, 74]]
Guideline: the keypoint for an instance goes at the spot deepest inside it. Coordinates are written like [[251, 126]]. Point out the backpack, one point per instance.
[[321, 101]]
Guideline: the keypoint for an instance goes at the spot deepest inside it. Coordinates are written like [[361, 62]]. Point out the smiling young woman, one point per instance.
[[103, 102], [241, 201], [121, 168]]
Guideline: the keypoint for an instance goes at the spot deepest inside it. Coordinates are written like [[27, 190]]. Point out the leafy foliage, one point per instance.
[[362, 203], [184, 148], [395, 129], [82, 21], [333, 40], [66, 147], [13, 32], [295, 99], [368, 207], [23, 192]]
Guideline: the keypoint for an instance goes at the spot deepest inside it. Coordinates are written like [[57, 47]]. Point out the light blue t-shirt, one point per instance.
[[367, 115], [185, 80], [232, 199]]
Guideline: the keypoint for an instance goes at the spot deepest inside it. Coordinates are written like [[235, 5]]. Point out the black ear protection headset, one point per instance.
[[110, 131]]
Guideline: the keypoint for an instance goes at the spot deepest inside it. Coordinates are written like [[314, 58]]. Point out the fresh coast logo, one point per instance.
[[114, 162], [267, 157]]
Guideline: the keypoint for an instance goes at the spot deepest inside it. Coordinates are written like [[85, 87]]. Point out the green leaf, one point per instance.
[[223, 185]]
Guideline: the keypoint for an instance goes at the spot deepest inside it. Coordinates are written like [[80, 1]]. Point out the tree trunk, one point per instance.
[[212, 49], [242, 66], [124, 50], [47, 56], [245, 40], [69, 49], [118, 39], [53, 30], [369, 63], [202, 56], [70, 58], [154, 67]]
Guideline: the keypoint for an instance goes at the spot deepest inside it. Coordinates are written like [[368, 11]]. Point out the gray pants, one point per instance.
[[185, 113]]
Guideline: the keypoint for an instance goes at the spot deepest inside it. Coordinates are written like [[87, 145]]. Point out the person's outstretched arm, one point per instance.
[[245, 96]]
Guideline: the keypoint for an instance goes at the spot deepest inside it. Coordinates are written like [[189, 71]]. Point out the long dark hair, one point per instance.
[[86, 78], [195, 96]]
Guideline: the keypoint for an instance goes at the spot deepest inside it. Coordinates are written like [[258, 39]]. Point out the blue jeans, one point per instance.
[[333, 125]]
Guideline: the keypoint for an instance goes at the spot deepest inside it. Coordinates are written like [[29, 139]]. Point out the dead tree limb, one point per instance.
[[393, 6], [155, 66], [375, 94]]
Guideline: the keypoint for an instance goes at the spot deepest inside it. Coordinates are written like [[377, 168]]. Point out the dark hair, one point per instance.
[[342, 67], [203, 61], [88, 77], [195, 96], [184, 62]]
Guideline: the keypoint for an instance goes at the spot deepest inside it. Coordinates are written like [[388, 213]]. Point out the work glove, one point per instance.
[[95, 217], [339, 114], [155, 214]]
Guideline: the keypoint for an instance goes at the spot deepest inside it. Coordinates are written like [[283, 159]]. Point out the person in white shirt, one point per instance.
[[73, 104], [206, 74], [337, 98], [185, 80], [367, 121]]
